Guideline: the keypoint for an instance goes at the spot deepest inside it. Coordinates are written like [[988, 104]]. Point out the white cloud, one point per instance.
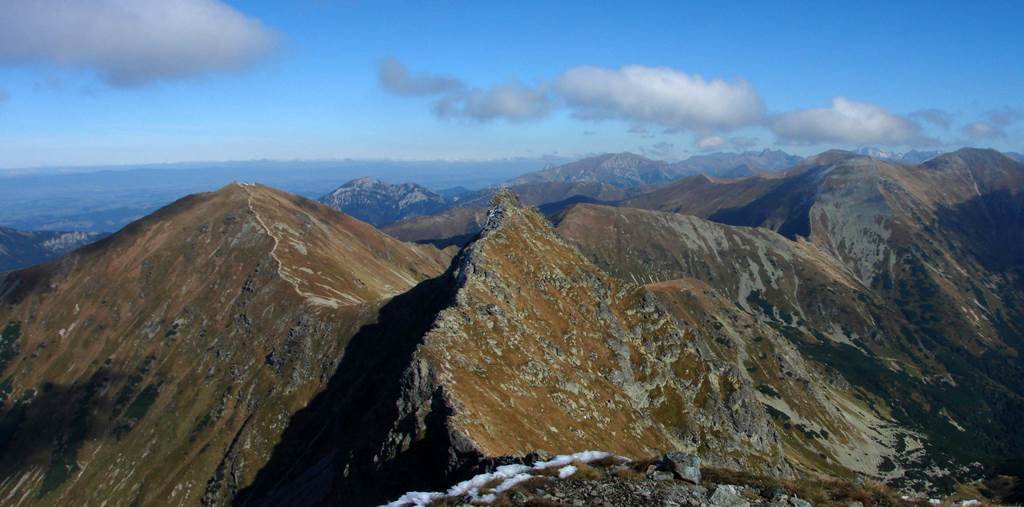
[[994, 125], [710, 143], [660, 95], [510, 101], [133, 42], [981, 130], [394, 77], [847, 121]]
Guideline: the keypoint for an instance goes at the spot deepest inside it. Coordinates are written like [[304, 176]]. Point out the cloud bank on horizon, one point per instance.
[[131, 43], [680, 102]]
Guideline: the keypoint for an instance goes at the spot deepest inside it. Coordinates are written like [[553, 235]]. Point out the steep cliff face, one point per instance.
[[160, 365]]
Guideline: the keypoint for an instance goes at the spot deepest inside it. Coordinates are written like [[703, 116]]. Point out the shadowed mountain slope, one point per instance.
[[157, 366]]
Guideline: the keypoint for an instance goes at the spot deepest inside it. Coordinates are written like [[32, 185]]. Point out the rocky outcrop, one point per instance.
[[601, 478]]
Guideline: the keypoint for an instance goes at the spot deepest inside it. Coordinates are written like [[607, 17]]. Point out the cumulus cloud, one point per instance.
[[710, 143], [994, 123], [670, 101], [660, 95], [394, 77], [133, 42], [511, 101], [847, 121], [937, 117]]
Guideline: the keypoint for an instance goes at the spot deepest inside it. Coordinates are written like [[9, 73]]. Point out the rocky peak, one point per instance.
[[365, 181], [541, 350], [380, 203], [503, 203], [625, 160]]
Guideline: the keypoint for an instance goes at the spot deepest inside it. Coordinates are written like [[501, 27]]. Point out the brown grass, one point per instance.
[[819, 491]]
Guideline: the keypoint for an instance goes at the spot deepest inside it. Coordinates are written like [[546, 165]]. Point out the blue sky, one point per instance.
[[125, 81]]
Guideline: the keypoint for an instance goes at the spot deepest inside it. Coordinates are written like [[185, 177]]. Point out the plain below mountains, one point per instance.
[[20, 249]]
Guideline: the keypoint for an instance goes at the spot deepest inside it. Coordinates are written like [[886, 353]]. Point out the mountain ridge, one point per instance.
[[230, 311]]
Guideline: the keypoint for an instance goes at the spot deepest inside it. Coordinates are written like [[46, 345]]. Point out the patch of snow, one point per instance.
[[471, 487], [565, 459], [511, 482], [508, 475]]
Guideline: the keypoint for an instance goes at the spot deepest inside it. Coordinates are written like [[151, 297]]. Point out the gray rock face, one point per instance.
[[727, 496], [685, 466], [797, 502]]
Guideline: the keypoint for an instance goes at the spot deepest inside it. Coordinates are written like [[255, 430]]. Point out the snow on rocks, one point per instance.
[[507, 477]]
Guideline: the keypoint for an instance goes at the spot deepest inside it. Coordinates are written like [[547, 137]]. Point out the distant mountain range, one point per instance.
[[104, 199], [912, 157], [379, 203], [19, 249], [628, 170], [842, 321], [603, 178]]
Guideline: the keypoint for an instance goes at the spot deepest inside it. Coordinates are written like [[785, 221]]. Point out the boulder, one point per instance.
[[726, 495], [685, 466]]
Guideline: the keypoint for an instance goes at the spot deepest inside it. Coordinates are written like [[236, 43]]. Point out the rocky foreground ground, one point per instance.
[[602, 479]]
